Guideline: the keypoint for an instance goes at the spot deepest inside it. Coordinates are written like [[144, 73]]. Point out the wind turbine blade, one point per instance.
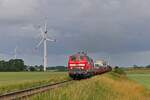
[[40, 43], [52, 40], [45, 25], [42, 32]]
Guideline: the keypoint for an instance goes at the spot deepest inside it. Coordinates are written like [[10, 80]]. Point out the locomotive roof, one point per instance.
[[82, 54]]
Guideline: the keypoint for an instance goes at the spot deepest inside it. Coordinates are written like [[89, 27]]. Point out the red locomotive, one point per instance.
[[82, 66]]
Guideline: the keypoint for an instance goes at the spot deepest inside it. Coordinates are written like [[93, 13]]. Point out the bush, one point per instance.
[[119, 70]]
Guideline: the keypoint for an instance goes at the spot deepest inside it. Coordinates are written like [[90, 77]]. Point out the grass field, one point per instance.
[[10, 81], [141, 76], [108, 86], [138, 71]]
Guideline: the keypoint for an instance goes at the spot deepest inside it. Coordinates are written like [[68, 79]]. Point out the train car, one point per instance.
[[82, 66], [101, 66]]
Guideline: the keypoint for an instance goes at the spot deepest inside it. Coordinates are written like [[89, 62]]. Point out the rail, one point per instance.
[[31, 91]]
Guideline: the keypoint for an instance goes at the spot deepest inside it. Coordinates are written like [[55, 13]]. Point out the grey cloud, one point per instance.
[[17, 8], [108, 26]]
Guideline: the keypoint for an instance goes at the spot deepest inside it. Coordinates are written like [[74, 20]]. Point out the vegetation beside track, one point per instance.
[[109, 86], [13, 81], [141, 76]]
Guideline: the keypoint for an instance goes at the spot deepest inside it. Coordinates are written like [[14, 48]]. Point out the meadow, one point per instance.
[[108, 86], [141, 76], [12, 81]]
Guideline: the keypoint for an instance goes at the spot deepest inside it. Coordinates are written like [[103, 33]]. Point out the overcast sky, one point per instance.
[[115, 30]]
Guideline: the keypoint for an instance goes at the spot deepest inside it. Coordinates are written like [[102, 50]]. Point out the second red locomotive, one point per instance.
[[82, 66]]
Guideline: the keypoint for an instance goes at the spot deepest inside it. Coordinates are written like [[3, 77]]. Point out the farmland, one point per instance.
[[141, 76], [107, 86], [10, 81]]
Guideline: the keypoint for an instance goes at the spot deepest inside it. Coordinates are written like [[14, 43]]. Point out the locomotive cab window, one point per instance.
[[81, 58], [73, 58]]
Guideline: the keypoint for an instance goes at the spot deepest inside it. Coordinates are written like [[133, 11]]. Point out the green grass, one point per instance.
[[109, 86], [11, 81], [143, 79], [141, 76], [138, 71], [101, 87]]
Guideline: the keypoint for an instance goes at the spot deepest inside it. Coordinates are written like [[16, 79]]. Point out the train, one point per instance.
[[80, 66]]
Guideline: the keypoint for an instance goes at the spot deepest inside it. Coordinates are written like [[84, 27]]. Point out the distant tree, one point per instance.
[[148, 66], [58, 68], [2, 65], [136, 66], [16, 65], [116, 67], [12, 65], [61, 68], [32, 68], [41, 67]]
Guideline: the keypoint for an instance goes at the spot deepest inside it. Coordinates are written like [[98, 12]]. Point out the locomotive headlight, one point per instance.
[[81, 64], [82, 67]]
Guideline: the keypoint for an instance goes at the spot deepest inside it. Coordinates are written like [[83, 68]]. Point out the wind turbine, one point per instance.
[[44, 40], [15, 52]]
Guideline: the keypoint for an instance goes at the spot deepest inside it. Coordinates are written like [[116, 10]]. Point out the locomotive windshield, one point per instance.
[[75, 58], [80, 58]]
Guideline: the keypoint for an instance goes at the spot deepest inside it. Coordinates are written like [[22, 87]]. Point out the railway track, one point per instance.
[[31, 91]]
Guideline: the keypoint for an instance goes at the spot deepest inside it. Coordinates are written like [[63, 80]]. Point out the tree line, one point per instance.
[[136, 66], [12, 65], [18, 65]]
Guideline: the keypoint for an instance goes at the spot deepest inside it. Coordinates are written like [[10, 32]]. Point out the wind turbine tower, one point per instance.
[[44, 40], [15, 53]]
